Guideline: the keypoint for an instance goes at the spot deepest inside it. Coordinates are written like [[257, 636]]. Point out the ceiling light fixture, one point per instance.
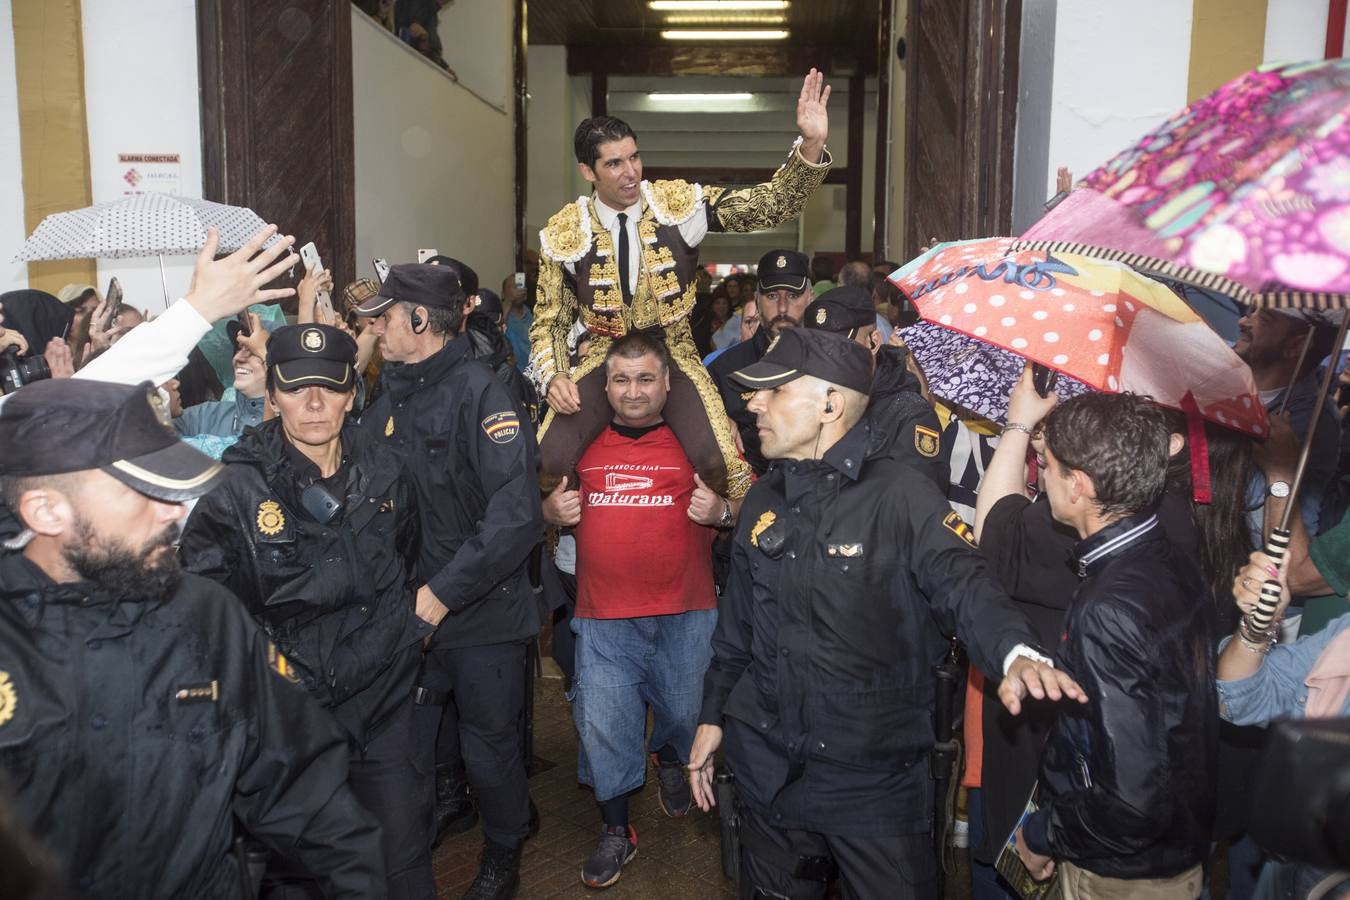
[[717, 5], [701, 98], [737, 35], [714, 19]]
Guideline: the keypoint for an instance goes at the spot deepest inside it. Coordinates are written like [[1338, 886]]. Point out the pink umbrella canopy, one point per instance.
[[1096, 321], [1246, 191]]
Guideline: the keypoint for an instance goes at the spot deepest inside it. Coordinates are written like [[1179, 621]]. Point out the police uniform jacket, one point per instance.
[[472, 462], [735, 399], [846, 574], [903, 423], [336, 598], [132, 734]]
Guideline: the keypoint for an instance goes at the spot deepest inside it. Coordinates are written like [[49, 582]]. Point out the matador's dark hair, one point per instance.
[[597, 130]]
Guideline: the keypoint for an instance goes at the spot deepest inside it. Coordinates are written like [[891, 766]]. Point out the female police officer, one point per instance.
[[315, 528]]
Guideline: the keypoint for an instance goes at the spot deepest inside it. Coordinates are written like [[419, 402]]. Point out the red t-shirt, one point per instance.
[[638, 552]]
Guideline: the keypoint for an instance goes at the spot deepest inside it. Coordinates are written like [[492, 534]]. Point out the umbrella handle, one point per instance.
[[1260, 618]]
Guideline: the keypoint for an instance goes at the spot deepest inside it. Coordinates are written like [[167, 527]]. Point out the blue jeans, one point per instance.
[[623, 666]]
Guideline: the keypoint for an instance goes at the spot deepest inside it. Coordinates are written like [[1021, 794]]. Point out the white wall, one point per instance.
[[551, 175], [472, 35], [1035, 95], [141, 96], [434, 164], [1120, 70], [13, 276], [1296, 30]]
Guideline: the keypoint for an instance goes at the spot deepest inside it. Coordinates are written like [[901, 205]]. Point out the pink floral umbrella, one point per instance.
[[1246, 191]]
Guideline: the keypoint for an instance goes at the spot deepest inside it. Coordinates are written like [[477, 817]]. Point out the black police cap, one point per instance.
[[303, 355], [75, 425], [419, 283], [841, 310], [783, 269], [468, 278], [802, 351], [487, 303]]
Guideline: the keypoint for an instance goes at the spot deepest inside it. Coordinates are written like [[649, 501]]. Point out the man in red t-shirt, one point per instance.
[[646, 608]]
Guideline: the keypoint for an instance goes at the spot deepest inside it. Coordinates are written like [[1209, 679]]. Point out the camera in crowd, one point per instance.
[[16, 370]]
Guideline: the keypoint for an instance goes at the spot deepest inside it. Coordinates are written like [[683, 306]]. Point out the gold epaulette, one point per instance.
[[673, 202], [567, 236]]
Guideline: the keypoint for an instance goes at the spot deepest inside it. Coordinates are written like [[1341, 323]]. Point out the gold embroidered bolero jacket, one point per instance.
[[578, 266]]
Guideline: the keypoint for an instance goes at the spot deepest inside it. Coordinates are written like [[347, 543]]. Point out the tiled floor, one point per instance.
[[677, 858]]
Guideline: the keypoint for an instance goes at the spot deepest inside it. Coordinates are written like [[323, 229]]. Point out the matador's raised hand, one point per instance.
[[813, 120]]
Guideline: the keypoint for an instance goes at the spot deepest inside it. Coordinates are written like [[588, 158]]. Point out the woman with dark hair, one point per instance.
[[38, 316], [198, 382], [1221, 525]]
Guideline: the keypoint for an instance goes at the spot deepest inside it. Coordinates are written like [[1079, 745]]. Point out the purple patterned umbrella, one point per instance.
[[973, 374], [1246, 191]]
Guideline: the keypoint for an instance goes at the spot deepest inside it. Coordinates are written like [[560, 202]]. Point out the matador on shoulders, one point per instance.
[[624, 259]]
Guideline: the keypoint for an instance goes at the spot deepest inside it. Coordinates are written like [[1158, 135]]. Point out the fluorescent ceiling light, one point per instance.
[[717, 5], [701, 98], [733, 19], [737, 35]]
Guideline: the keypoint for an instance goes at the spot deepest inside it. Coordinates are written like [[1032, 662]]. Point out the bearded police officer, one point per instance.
[[782, 290], [315, 528], [847, 570], [141, 709], [472, 460]]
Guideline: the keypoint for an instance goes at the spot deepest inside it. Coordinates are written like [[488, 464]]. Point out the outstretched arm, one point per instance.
[[770, 204]]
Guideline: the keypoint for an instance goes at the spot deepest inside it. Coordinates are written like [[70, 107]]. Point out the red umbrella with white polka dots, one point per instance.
[[1095, 321]]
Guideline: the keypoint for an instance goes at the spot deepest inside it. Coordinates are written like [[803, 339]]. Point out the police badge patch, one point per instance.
[[764, 521], [927, 442], [501, 427], [270, 518], [278, 663], [957, 526], [821, 315], [312, 340], [9, 698]]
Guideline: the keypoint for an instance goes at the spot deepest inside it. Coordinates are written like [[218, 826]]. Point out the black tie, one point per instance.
[[623, 259]]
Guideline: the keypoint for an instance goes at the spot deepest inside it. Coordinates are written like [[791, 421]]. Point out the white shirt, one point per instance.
[[693, 230], [153, 351]]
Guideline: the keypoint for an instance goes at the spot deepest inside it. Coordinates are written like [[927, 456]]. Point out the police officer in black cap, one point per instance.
[[903, 423], [315, 528], [472, 457], [783, 291], [847, 571], [141, 709], [486, 328]]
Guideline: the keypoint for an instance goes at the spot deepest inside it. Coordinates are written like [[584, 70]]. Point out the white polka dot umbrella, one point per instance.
[[1094, 321], [139, 225]]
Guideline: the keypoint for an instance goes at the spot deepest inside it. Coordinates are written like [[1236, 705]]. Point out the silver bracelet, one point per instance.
[[1017, 426]]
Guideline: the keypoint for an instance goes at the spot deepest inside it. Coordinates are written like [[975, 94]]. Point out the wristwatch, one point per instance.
[[1278, 489], [726, 520]]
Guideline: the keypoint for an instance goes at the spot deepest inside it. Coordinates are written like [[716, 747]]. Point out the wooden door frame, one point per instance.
[[227, 133], [987, 120]]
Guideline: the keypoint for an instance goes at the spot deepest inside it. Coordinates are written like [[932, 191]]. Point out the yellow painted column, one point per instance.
[[53, 140], [1228, 38]]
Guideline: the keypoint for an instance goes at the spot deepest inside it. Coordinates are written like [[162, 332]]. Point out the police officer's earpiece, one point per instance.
[[418, 326], [829, 407]]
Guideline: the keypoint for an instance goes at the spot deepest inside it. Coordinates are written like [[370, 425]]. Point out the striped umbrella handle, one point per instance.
[[1259, 619]]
